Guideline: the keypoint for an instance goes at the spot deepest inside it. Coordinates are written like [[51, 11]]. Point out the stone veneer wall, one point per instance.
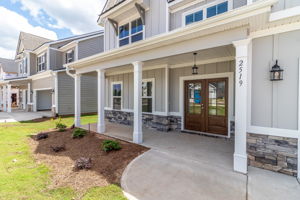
[[156, 122], [273, 153]]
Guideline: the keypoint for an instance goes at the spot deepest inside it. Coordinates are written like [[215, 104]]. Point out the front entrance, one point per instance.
[[206, 106]]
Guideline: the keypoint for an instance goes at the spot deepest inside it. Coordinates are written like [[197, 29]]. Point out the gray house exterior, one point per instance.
[[203, 66], [42, 81]]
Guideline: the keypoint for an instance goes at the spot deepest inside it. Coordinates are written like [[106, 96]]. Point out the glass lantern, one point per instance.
[[276, 73]]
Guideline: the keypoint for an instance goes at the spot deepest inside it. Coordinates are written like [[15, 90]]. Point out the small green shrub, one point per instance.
[[79, 133], [109, 145], [60, 126]]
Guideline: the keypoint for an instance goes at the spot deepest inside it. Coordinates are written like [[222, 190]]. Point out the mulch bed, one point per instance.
[[107, 168]]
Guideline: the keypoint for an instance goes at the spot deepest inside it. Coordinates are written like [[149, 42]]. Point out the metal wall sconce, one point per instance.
[[195, 68], [276, 73], [52, 91]]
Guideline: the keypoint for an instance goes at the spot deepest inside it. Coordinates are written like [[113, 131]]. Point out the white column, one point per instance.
[[4, 99], [56, 92], [137, 129], [8, 98], [34, 99], [242, 79], [24, 99], [29, 94], [77, 100], [101, 101], [167, 90], [1, 98]]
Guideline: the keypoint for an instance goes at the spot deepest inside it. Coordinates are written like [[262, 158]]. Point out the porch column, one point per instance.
[[101, 101], [242, 84], [34, 101], [137, 129], [24, 99], [77, 99], [8, 98], [18, 98], [28, 96], [1, 98], [4, 99]]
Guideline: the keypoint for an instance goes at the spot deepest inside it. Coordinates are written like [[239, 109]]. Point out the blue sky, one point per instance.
[[53, 19]]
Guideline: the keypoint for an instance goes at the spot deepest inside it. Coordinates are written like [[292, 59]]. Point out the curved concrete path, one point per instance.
[[162, 176]]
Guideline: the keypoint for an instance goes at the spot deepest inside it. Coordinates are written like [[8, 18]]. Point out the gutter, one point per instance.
[[68, 71]]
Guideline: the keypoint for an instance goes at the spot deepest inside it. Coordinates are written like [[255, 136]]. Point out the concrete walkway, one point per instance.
[[185, 166], [20, 115]]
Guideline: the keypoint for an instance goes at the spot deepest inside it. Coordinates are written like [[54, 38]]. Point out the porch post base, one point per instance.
[[101, 128], [240, 163], [138, 137]]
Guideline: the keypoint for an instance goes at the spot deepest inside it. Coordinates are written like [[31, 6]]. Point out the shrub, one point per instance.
[[79, 133], [60, 126], [83, 163], [41, 136], [109, 145]]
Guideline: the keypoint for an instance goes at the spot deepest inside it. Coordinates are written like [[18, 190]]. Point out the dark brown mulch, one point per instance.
[[107, 168]]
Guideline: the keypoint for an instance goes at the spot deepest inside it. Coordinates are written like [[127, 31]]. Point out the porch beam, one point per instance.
[[137, 128], [77, 79], [101, 101], [8, 98], [242, 84]]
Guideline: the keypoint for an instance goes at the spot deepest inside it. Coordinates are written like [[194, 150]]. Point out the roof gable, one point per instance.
[[111, 4], [29, 42]]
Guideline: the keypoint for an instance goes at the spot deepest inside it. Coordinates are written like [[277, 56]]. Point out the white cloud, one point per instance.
[[11, 24], [80, 16]]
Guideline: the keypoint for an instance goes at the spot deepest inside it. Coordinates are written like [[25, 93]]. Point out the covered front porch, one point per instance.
[[160, 92]]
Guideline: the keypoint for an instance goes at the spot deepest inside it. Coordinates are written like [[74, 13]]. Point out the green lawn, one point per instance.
[[22, 178]]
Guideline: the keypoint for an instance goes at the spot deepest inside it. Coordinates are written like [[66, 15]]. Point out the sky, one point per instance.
[[53, 19]]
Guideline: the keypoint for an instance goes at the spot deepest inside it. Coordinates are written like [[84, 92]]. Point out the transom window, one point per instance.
[[217, 9], [131, 32], [70, 56], [41, 63], [117, 96], [194, 17], [147, 96]]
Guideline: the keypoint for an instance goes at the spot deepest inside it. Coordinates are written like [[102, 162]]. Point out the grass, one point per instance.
[[22, 178]]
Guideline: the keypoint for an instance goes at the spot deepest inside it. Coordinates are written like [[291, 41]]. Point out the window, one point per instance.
[[41, 63], [70, 56], [21, 68], [117, 96], [25, 65], [147, 96], [131, 32], [217, 9], [194, 17]]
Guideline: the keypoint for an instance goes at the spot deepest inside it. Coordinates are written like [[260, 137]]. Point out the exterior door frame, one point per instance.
[[229, 75]]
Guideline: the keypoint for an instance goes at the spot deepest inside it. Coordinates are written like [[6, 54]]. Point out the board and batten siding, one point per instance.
[[275, 104], [66, 93], [56, 59], [176, 73], [110, 38], [43, 83], [33, 64], [90, 47], [127, 80]]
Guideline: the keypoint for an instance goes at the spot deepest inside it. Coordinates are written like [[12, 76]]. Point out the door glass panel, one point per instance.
[[217, 100], [194, 98]]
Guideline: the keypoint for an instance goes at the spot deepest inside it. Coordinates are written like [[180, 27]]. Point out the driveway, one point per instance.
[[19, 115], [186, 166]]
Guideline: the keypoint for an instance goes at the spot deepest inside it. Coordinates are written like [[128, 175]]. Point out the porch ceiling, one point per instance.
[[206, 56]]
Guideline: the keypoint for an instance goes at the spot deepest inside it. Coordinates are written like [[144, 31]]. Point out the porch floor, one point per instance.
[[18, 115], [187, 166]]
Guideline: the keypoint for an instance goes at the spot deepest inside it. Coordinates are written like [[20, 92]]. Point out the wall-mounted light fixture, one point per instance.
[[276, 73], [52, 91], [195, 68]]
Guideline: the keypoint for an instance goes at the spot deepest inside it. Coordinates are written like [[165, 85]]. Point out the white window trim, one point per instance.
[[112, 96], [68, 52], [42, 56], [204, 9], [130, 35], [152, 80]]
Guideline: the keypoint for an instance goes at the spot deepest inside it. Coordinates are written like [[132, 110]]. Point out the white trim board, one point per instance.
[[290, 12], [229, 75]]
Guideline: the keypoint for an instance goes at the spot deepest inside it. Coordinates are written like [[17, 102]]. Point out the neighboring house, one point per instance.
[[149, 73], [42, 79], [8, 70]]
